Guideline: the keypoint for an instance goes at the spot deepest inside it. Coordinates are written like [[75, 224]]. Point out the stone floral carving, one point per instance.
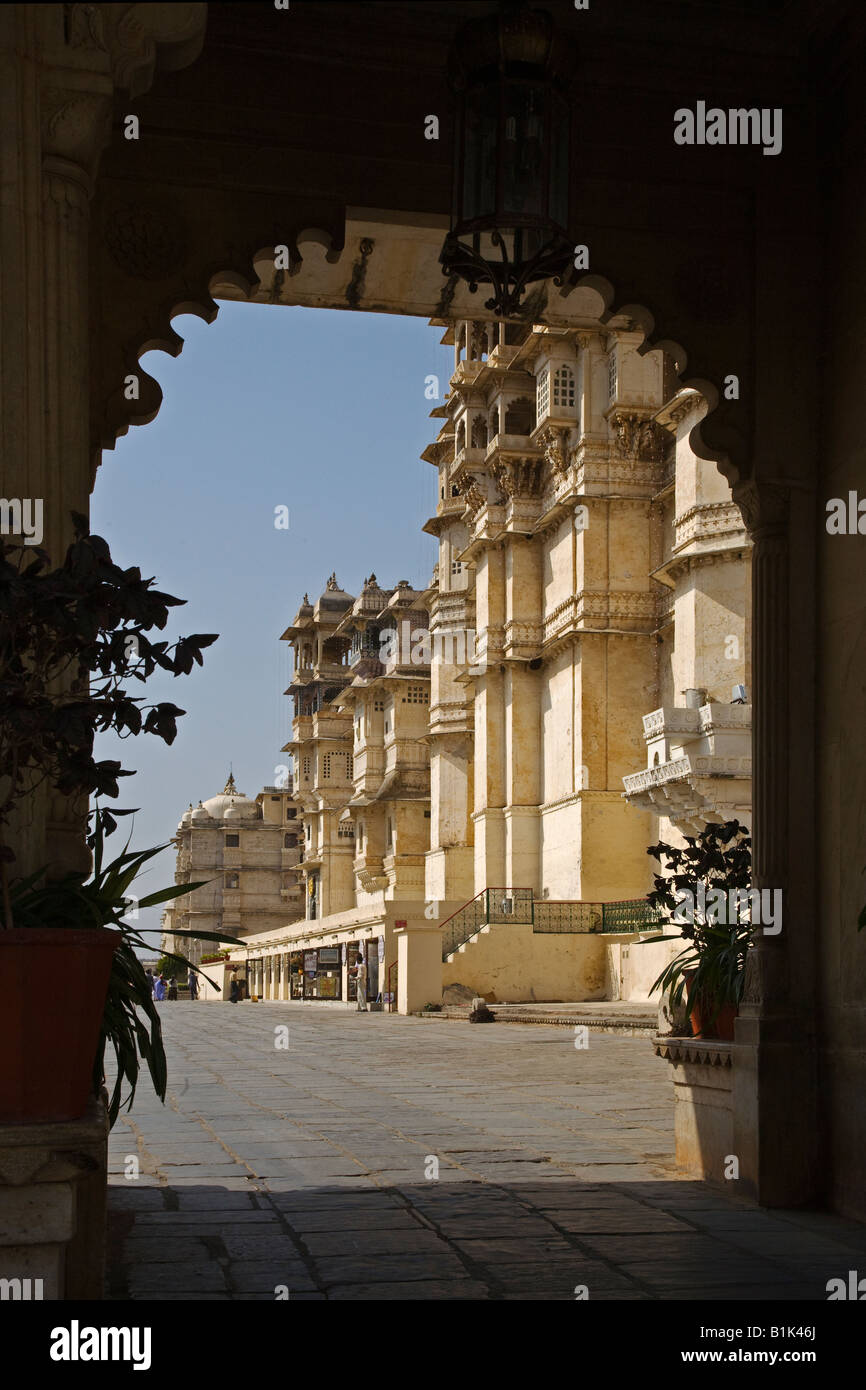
[[147, 243]]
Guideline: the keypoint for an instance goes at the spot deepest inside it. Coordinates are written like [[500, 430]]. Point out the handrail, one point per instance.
[[492, 889], [484, 910]]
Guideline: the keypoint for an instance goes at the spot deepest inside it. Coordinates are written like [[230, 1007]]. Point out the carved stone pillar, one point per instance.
[[775, 1088], [59, 68]]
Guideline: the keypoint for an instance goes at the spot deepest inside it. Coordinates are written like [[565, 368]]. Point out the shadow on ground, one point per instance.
[[554, 1239]]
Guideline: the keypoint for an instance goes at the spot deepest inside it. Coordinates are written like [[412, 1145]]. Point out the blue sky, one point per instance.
[[318, 410]]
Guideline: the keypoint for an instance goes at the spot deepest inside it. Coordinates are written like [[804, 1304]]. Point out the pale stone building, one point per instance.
[[360, 691], [472, 753], [601, 569], [243, 852]]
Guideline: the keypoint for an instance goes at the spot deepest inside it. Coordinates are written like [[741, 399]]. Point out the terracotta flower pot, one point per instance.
[[54, 985], [722, 1027]]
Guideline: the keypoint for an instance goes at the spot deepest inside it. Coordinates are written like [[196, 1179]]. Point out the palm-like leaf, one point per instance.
[[131, 1024]]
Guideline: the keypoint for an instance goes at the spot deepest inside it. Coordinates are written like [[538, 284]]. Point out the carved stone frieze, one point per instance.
[[708, 519]]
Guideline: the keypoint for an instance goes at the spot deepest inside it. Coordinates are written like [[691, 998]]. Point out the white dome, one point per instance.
[[231, 798], [217, 806], [198, 815]]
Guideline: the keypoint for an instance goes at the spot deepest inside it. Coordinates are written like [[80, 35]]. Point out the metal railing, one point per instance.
[[492, 906], [499, 906], [567, 917], [630, 915]]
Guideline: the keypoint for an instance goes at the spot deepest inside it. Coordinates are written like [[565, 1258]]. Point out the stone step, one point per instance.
[[627, 1019]]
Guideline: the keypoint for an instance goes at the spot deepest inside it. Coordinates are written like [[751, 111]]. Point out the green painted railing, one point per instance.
[[567, 916], [491, 906], [630, 915], [499, 906]]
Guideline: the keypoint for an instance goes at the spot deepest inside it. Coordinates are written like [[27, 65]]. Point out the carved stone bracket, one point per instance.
[[637, 437], [554, 441], [142, 38], [519, 477]]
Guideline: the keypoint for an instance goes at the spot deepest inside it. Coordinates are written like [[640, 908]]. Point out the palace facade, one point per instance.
[[480, 767]]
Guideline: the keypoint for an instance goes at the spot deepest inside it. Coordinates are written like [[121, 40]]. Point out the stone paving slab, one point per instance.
[[311, 1170]]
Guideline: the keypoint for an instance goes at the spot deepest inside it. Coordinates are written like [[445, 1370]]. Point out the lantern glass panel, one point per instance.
[[523, 151], [479, 154]]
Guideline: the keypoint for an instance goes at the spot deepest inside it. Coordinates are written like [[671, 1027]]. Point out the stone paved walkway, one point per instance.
[[311, 1171]]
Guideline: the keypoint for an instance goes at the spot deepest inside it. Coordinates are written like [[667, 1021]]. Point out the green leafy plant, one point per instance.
[[714, 961], [131, 1024], [70, 637]]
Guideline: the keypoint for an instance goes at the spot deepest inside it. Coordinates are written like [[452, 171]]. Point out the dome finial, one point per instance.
[[230, 787]]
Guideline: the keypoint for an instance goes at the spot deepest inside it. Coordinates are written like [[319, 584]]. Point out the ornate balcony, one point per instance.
[[699, 764]]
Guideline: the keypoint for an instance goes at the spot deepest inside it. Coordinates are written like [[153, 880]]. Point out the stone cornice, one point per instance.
[[708, 519]]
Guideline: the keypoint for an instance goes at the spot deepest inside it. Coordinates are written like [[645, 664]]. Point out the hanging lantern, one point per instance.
[[511, 74]]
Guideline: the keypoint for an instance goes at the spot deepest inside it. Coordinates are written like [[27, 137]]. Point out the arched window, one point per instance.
[[493, 422], [479, 432], [520, 416]]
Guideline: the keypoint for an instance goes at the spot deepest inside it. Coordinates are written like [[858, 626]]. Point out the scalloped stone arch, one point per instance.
[[330, 266]]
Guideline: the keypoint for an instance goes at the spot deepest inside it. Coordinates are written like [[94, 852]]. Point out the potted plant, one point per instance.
[[80, 904], [70, 637], [703, 891]]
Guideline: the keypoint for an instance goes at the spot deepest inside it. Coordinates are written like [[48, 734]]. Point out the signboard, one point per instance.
[[381, 948], [310, 962], [329, 955]]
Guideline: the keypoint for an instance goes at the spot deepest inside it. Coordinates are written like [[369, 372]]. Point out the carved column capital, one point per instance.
[[764, 506]]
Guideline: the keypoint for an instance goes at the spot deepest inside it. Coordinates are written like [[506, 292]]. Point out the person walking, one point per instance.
[[192, 981], [159, 989], [361, 984], [172, 989], [150, 981], [233, 991]]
